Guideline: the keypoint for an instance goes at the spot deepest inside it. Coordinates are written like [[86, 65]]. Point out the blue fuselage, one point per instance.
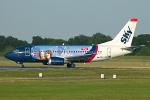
[[40, 53]]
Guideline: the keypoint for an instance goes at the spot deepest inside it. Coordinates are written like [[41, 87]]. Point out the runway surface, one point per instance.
[[46, 79], [61, 78], [61, 68]]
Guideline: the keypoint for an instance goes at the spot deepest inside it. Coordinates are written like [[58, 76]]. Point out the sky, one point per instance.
[[64, 19]]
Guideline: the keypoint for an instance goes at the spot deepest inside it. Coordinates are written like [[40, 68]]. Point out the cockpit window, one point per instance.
[[15, 50]]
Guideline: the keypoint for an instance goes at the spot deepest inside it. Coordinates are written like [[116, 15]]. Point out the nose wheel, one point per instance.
[[22, 66]]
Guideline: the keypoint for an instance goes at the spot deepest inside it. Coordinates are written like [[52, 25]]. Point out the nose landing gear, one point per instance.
[[21, 64]]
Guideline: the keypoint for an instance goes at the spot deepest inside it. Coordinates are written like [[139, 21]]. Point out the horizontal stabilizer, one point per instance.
[[132, 47]]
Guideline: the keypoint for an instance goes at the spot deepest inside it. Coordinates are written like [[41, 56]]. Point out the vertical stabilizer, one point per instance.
[[125, 36]]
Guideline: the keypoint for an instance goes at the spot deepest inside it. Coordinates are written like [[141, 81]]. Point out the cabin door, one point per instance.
[[109, 52], [27, 51]]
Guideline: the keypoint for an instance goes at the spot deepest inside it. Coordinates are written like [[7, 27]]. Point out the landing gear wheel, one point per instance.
[[22, 66], [45, 63], [71, 65]]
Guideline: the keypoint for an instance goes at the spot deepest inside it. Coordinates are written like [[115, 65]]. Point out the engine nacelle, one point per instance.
[[56, 61]]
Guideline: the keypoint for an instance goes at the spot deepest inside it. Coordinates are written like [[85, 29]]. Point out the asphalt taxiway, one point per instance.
[[32, 68], [60, 78], [46, 79]]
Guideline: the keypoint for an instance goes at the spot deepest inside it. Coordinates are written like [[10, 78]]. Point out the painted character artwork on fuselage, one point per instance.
[[44, 52], [44, 55]]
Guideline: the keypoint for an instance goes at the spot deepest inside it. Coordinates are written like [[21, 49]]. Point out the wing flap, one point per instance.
[[79, 57]]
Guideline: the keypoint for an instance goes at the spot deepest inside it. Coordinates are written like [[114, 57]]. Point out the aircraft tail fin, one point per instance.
[[125, 36]]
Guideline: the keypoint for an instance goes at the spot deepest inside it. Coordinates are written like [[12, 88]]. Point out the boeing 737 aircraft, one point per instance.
[[68, 54]]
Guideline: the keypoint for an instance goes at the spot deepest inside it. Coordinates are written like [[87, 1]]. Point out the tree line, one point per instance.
[[9, 43]]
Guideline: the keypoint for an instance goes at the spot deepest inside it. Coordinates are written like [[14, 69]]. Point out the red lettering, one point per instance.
[[84, 48]]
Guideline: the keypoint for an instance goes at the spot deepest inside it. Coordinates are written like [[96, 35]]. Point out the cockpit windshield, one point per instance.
[[15, 50]]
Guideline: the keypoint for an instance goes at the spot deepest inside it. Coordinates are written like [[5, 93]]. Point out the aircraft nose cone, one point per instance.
[[6, 55]]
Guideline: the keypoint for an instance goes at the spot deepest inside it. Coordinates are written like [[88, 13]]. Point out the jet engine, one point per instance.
[[55, 61]]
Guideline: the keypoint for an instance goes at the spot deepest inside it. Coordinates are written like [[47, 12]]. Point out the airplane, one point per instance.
[[70, 54]]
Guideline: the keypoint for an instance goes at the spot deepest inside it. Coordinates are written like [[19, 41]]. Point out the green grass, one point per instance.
[[131, 84], [55, 73], [107, 89]]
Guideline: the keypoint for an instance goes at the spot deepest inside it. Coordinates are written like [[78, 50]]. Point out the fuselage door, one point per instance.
[[27, 51], [109, 52]]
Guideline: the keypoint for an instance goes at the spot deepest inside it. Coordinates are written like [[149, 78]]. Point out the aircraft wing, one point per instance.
[[79, 57], [132, 47]]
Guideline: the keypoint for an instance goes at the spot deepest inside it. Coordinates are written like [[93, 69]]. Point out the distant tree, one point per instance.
[[144, 51], [143, 39], [99, 38], [8, 43], [71, 41], [37, 40], [78, 40], [48, 41], [59, 42], [2, 42]]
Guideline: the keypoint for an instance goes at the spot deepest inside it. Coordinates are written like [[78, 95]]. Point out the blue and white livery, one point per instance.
[[68, 54]]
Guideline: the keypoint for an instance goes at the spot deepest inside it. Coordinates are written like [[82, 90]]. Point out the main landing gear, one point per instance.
[[71, 65]]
